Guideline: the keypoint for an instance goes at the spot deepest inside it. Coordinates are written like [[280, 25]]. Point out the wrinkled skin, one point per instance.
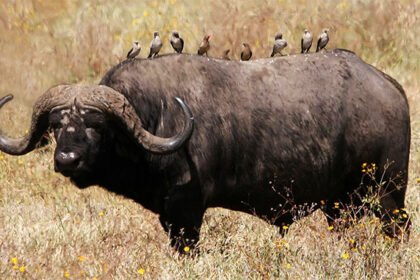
[[270, 135]]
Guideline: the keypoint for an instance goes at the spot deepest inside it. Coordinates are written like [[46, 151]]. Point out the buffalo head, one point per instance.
[[83, 120]]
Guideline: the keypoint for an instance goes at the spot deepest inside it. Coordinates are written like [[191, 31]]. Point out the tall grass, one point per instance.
[[51, 230]]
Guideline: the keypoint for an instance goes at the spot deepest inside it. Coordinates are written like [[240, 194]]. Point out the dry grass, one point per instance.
[[51, 230]]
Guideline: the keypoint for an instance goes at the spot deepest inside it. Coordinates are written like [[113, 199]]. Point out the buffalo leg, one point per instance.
[[394, 217], [392, 212], [343, 212], [390, 184], [339, 214], [182, 216]]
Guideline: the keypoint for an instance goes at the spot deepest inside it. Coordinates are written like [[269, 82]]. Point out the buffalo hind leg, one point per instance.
[[182, 216], [396, 222], [390, 185]]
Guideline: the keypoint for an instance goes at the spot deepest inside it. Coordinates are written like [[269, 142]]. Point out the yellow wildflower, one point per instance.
[[336, 205], [66, 274], [145, 14], [22, 269], [20, 162], [345, 256], [282, 243], [330, 228], [285, 227], [141, 271], [81, 258], [101, 213], [288, 265], [405, 216], [14, 260], [364, 165], [15, 267], [186, 249], [352, 241], [396, 211]]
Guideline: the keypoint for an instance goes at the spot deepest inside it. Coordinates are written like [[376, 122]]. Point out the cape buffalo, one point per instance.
[[260, 137]]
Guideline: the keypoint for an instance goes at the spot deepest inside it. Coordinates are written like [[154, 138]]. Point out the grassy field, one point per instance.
[[51, 230]]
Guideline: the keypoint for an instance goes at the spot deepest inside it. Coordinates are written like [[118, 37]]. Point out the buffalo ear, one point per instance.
[[125, 147], [46, 139]]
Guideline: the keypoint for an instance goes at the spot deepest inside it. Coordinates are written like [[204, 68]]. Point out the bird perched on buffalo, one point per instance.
[[204, 46], [177, 42], [155, 45], [246, 52], [135, 50], [226, 54], [306, 41], [322, 40], [279, 44]]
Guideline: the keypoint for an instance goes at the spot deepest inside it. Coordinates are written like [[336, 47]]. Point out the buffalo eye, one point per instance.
[[56, 125], [94, 120], [93, 125], [55, 122]]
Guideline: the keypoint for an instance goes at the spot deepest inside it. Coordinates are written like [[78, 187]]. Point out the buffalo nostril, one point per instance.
[[67, 161]]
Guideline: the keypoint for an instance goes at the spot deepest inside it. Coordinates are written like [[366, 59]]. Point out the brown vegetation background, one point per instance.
[[51, 230]]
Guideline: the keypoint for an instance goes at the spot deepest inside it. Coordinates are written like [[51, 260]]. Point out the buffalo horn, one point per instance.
[[39, 123]]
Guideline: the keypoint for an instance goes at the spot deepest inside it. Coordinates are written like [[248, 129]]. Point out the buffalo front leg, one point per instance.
[[182, 216]]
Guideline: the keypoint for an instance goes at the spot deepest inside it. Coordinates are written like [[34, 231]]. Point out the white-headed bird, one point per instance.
[[135, 50], [279, 44], [306, 41], [155, 45], [322, 40]]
